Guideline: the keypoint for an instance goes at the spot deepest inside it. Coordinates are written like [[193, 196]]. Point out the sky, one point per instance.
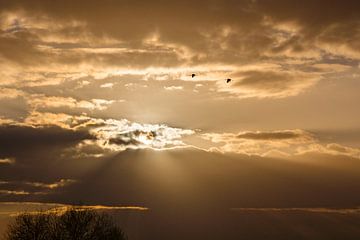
[[98, 107]]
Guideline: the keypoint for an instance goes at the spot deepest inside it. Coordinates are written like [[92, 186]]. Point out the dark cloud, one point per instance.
[[37, 154], [278, 83], [201, 187], [91, 39], [222, 30], [124, 142], [131, 138], [276, 135], [311, 13], [20, 48], [186, 184], [18, 139], [13, 108]]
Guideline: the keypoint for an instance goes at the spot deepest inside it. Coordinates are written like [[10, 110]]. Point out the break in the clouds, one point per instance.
[[121, 134], [49, 43]]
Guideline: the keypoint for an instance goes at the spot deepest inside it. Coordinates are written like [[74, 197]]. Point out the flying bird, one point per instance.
[[228, 80], [193, 75]]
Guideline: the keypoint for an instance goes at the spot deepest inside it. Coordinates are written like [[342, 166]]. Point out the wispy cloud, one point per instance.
[[11, 187], [107, 85], [9, 192], [58, 208], [7, 160], [58, 184], [172, 88], [294, 210]]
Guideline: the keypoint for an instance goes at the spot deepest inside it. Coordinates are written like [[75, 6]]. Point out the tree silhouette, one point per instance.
[[73, 224]]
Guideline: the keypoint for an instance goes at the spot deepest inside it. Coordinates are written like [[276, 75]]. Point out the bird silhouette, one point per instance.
[[193, 75], [228, 80]]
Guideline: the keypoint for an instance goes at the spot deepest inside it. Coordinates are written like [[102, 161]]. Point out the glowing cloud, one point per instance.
[[122, 134], [7, 160]]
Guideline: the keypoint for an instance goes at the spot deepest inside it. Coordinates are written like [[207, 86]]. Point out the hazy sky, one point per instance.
[[97, 97]]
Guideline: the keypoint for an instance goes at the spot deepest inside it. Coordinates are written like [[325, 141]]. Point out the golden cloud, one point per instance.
[[70, 43], [294, 210], [7, 160], [41, 101], [279, 144], [58, 184], [58, 208]]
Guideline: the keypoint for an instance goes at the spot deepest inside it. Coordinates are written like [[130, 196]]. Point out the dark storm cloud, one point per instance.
[[35, 154], [17, 139]]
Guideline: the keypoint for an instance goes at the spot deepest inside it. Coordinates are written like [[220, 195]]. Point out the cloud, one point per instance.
[[172, 88], [121, 134], [274, 135], [99, 136], [295, 210], [66, 43], [58, 208], [10, 93], [27, 138], [131, 178], [278, 144], [108, 134], [331, 149], [28, 101], [260, 143], [62, 120], [96, 137], [41, 101], [7, 161], [271, 83], [29, 188], [107, 85], [9, 192], [330, 68], [58, 184]]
